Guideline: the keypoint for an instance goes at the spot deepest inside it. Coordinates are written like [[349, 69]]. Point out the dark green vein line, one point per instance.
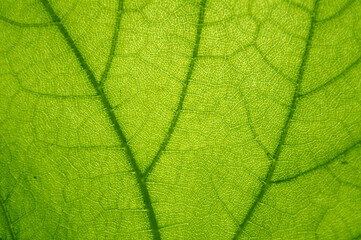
[[326, 163], [115, 37], [339, 180], [340, 12], [19, 24], [333, 80], [297, 5], [254, 133], [184, 89], [230, 214], [284, 30], [7, 218], [286, 125], [269, 63], [56, 96], [108, 108]]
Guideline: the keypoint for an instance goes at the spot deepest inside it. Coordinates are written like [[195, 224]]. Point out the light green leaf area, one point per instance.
[[180, 119]]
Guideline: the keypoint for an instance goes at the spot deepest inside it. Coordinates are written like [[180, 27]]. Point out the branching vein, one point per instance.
[[7, 218], [286, 125], [184, 89], [326, 163], [111, 115]]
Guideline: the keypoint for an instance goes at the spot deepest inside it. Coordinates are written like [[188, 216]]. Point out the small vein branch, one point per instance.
[[111, 115], [333, 80], [115, 37], [325, 164], [184, 89], [7, 218], [26, 25], [286, 125]]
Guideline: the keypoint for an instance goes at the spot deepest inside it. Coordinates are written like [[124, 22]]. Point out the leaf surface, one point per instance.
[[184, 119]]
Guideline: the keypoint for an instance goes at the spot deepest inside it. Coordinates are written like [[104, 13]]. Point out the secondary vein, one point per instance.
[[115, 37], [325, 164], [111, 115], [286, 124], [189, 74], [20, 24]]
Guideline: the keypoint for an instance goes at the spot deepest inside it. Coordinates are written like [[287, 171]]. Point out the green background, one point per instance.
[[170, 119]]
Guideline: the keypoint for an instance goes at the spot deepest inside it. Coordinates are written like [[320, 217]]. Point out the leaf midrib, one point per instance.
[[286, 125]]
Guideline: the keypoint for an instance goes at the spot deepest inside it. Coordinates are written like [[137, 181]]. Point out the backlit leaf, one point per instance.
[[180, 119]]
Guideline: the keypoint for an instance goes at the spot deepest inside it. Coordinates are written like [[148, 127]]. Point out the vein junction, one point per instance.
[[98, 87], [108, 109], [286, 125]]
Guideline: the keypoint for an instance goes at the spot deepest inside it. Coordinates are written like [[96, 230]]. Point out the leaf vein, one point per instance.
[[286, 125], [333, 80], [115, 37], [191, 66], [338, 13], [326, 163], [7, 218], [108, 108], [20, 24]]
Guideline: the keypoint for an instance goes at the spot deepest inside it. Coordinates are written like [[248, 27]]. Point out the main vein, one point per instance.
[[7, 218], [189, 74], [111, 115], [286, 125]]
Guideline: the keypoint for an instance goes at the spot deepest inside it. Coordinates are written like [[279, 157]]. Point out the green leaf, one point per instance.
[[180, 119]]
